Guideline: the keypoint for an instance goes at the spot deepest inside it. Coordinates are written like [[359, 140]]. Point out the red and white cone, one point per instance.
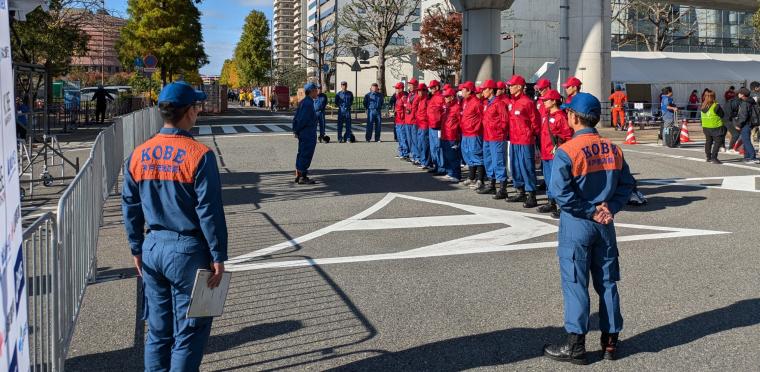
[[630, 138], [685, 132]]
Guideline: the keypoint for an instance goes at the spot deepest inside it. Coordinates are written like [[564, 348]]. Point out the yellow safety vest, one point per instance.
[[710, 119]]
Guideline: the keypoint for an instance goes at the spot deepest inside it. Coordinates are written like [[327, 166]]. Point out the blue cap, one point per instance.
[[584, 103], [180, 94], [310, 86]]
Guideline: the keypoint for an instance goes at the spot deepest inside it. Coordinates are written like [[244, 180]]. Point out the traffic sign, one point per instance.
[[138, 62], [149, 70], [150, 61], [355, 67], [326, 68]]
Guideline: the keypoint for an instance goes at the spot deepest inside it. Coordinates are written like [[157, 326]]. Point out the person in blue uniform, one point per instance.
[[373, 103], [304, 129], [344, 99], [172, 188], [590, 182], [320, 104]]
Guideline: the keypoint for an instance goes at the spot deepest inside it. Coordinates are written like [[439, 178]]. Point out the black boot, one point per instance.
[[573, 350], [471, 177], [609, 345], [548, 208], [502, 192], [298, 178], [530, 201], [520, 197], [491, 189]]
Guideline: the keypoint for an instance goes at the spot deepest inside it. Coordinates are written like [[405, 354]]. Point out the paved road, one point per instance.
[[380, 267]]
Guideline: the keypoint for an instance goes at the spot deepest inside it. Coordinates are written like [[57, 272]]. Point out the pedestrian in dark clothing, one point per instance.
[[711, 115], [729, 120], [744, 125], [101, 98]]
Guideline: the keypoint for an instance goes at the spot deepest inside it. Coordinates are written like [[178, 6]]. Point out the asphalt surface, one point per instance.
[[403, 288]]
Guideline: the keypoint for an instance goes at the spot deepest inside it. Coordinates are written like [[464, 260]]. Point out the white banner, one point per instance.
[[14, 340]]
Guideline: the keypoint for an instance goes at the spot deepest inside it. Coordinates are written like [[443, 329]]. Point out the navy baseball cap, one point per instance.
[[180, 94], [584, 103], [309, 86]]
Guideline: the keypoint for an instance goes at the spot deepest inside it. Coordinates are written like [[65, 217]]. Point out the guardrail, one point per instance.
[[61, 250]]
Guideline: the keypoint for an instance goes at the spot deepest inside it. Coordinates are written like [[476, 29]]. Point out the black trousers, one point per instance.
[[715, 138], [729, 124], [100, 113]]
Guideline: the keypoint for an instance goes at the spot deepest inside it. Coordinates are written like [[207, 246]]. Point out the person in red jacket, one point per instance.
[[554, 132], [423, 137], [501, 91], [524, 126], [542, 86], [410, 113], [495, 131], [450, 136], [572, 87], [435, 108], [472, 135], [400, 120]]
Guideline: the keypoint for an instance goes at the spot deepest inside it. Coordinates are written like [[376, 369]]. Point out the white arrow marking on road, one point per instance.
[[521, 227]]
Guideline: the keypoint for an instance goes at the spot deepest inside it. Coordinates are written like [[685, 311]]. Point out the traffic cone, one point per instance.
[[685, 132], [630, 138], [739, 146]]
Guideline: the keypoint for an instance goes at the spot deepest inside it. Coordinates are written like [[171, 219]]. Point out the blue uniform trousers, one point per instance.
[[586, 246], [344, 118], [521, 158], [374, 122], [472, 150], [749, 148], [321, 121], [423, 146], [411, 140], [493, 157], [546, 165], [403, 150], [451, 158], [170, 261], [306, 146], [436, 154]]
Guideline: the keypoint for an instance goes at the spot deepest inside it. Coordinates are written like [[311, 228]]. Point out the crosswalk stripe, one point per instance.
[[204, 131], [331, 128], [274, 128], [252, 128], [229, 130]]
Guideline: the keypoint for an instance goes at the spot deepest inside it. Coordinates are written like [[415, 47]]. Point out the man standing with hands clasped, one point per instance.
[[591, 182], [171, 184]]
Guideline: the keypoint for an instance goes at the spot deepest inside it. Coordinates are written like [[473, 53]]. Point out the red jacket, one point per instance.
[[542, 111], [472, 116], [524, 121], [557, 123], [410, 108], [421, 110], [452, 116], [400, 108], [435, 107], [495, 121]]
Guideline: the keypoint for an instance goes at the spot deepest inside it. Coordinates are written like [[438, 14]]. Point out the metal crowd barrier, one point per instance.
[[61, 249]]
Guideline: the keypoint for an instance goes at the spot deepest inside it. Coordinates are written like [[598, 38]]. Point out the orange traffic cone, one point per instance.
[[739, 146], [630, 138], [685, 132]]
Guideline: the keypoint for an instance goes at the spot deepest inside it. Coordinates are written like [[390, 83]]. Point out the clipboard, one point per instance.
[[204, 301]]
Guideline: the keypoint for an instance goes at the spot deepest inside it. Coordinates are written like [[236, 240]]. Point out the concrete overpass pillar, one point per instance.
[[589, 45], [481, 37]]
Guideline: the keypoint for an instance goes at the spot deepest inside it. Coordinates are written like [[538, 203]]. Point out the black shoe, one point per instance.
[[520, 197], [547, 208], [541, 186], [609, 345], [501, 193], [432, 170], [530, 201], [573, 350], [708, 160], [491, 189], [716, 161], [341, 141], [555, 214], [305, 180], [320, 139]]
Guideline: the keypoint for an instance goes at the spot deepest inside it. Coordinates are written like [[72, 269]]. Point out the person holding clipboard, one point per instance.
[[172, 186]]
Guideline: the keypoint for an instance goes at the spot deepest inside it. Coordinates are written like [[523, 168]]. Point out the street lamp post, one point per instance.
[[513, 37]]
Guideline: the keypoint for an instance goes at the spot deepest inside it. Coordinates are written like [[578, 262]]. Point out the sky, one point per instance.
[[222, 22]]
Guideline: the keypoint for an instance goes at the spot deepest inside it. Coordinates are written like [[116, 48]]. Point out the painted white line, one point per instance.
[[252, 128], [628, 149], [735, 183], [228, 129], [274, 128], [204, 130], [520, 227], [332, 128]]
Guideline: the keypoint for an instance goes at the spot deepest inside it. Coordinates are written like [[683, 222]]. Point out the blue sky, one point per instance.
[[222, 22]]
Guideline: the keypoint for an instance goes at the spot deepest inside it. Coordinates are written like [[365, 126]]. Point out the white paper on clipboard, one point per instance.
[[205, 301]]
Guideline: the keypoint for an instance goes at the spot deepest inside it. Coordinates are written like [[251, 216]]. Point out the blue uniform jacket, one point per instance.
[[344, 100], [305, 117], [320, 103], [171, 182], [373, 101], [587, 171]]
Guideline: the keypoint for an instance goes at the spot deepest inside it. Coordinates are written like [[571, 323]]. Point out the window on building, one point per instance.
[[415, 26], [417, 12]]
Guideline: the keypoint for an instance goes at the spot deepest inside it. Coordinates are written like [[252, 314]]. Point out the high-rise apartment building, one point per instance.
[[299, 32], [283, 25]]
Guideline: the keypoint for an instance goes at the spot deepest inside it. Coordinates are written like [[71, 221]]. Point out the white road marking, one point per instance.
[[274, 128], [204, 130], [228, 129], [520, 227], [737, 183], [628, 149], [252, 128]]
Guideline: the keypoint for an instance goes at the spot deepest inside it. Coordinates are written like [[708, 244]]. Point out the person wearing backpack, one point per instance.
[[747, 117], [712, 126]]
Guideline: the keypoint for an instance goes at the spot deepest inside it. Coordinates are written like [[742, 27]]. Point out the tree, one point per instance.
[[658, 25], [168, 29], [440, 46], [229, 75], [375, 24], [320, 44], [290, 75], [756, 25], [252, 52]]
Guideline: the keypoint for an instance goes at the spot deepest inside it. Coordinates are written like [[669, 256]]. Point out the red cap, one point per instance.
[[516, 80], [446, 86], [467, 85], [413, 82], [500, 85], [488, 84], [422, 86], [572, 82], [434, 83], [552, 95], [448, 92], [399, 85], [543, 84]]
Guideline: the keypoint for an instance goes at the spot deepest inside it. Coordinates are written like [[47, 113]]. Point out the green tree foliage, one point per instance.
[[229, 75], [168, 29], [252, 53]]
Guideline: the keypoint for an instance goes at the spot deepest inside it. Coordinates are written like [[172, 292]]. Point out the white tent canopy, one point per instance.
[[667, 67]]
